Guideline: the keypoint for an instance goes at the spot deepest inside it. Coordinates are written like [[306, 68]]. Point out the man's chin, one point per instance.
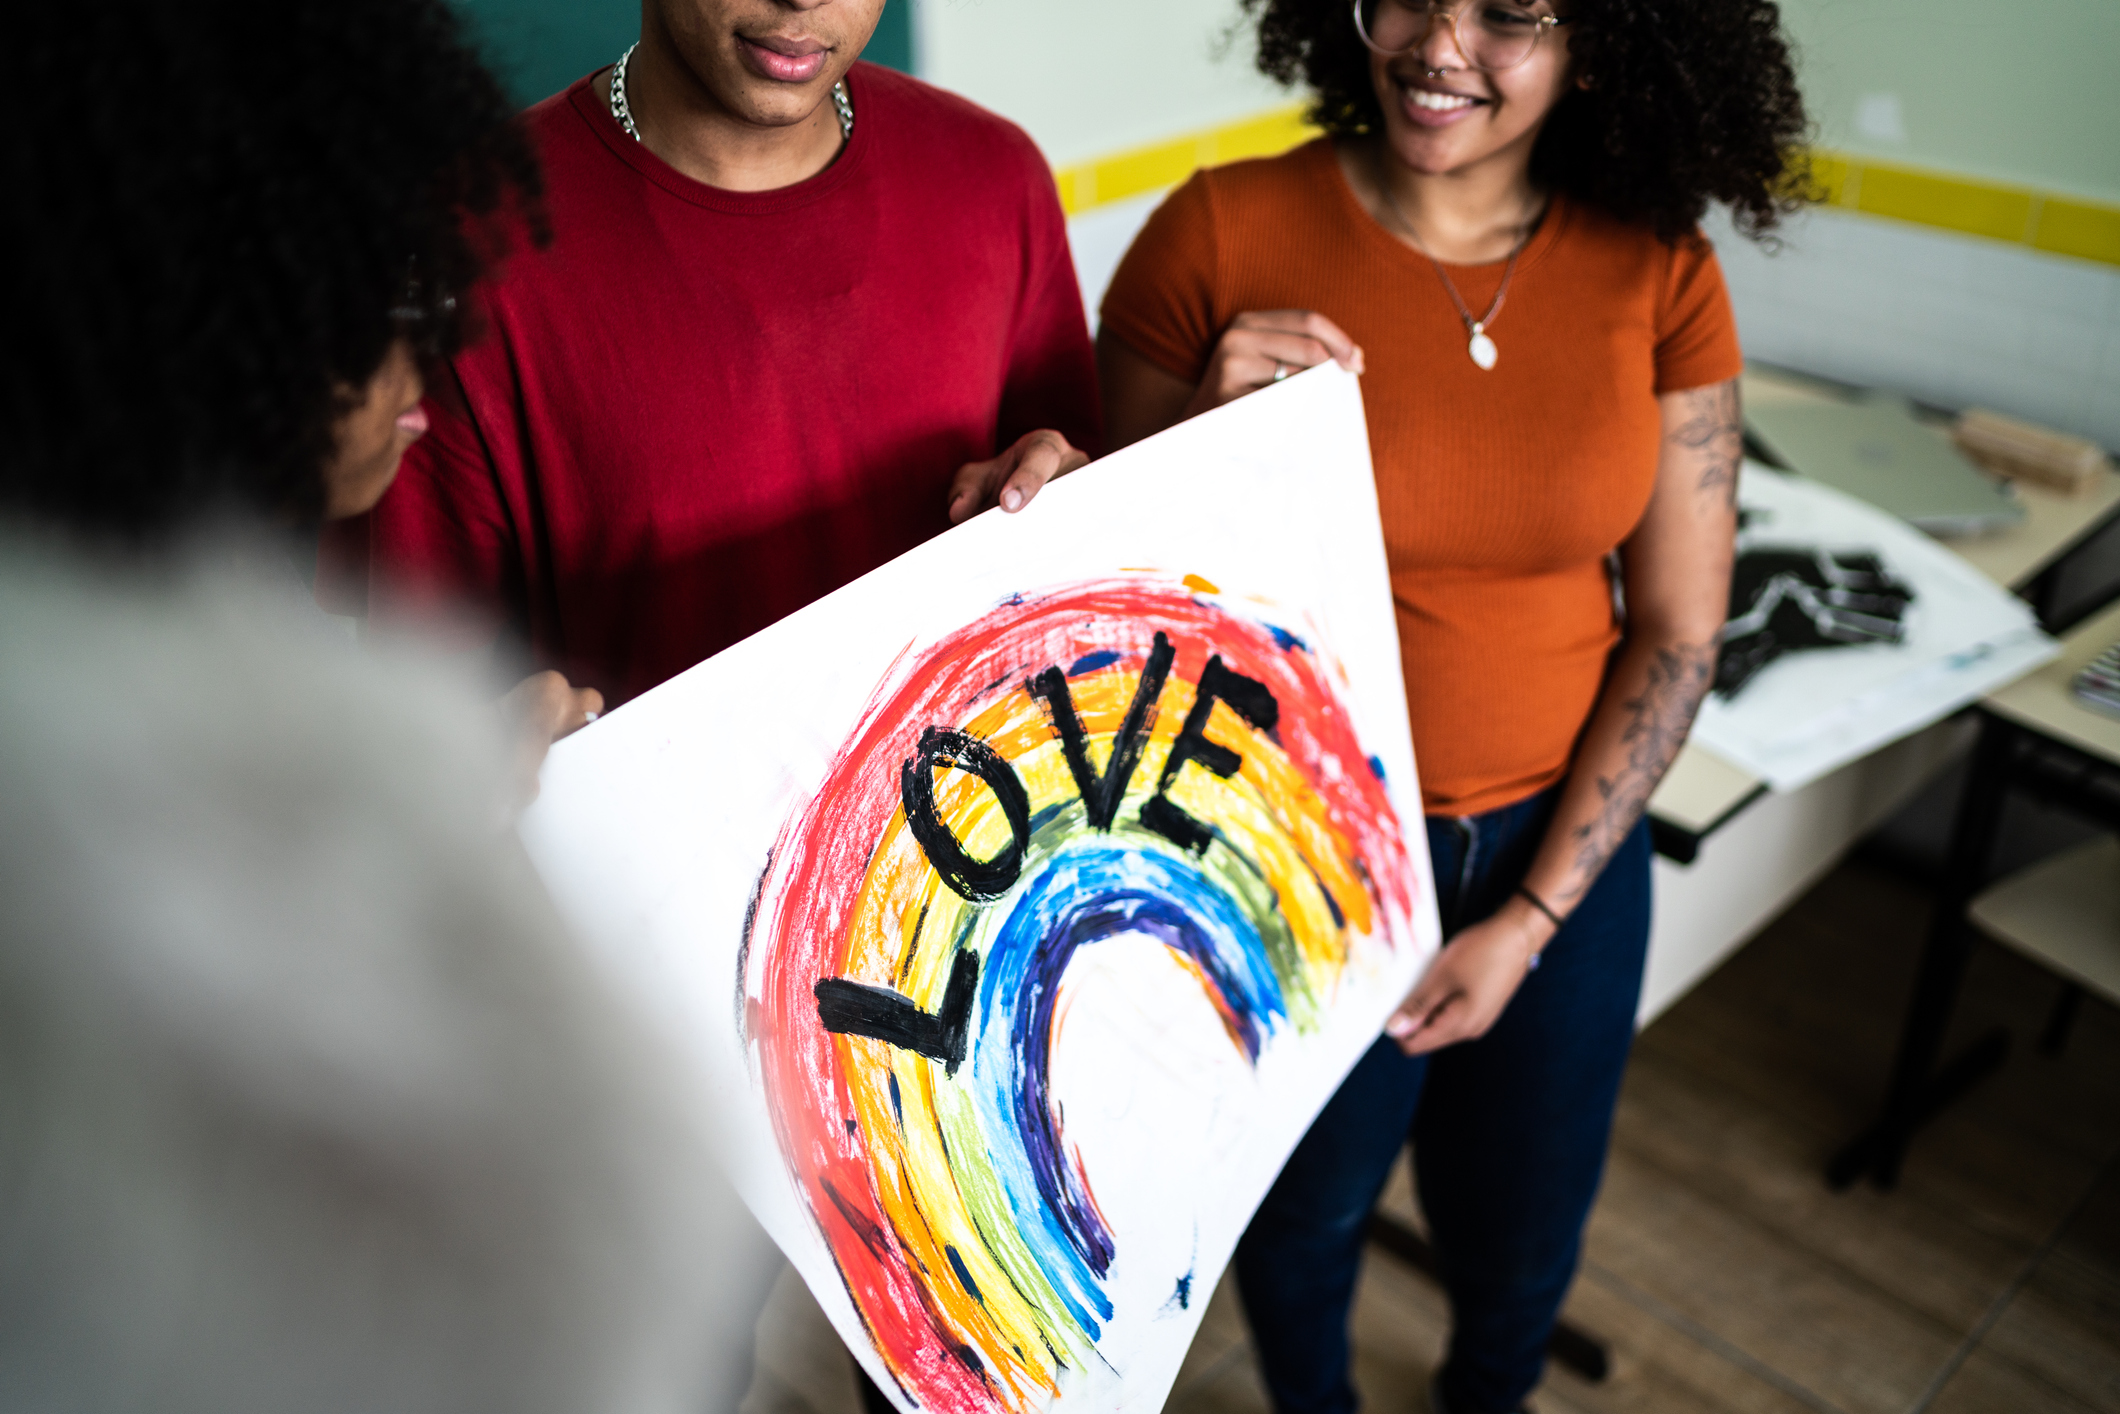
[[774, 105]]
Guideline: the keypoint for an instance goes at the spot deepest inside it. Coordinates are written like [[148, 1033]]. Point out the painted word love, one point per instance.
[[857, 1009]]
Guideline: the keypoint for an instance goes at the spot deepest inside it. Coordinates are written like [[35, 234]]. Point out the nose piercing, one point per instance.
[[1436, 73]]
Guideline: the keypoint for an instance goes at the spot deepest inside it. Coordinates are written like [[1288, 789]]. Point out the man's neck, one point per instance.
[[680, 120]]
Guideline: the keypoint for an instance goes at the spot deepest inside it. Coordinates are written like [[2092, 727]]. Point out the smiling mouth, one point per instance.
[[1426, 93], [1429, 104], [1440, 102]]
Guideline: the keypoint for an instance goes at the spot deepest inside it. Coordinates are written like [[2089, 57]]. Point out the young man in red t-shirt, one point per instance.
[[791, 311]]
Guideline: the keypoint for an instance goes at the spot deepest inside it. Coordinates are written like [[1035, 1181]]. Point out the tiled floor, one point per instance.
[[1721, 1271]]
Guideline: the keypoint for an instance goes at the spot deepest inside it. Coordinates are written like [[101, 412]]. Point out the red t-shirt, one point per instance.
[[698, 410]]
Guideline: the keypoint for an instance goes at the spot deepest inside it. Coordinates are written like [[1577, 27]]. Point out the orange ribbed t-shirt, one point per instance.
[[1502, 491]]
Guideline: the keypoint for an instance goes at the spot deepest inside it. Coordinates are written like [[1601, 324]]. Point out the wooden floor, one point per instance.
[[1719, 1268]]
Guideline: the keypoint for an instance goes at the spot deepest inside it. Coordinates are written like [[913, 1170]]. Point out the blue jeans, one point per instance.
[[1509, 1133]]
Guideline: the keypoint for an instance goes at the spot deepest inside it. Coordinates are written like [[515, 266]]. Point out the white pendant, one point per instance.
[[1481, 348]]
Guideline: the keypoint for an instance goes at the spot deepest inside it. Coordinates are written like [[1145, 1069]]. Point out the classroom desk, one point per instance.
[[2034, 737], [1734, 854]]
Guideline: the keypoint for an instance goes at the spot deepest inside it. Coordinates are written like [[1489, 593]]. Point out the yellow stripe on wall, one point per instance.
[[1139, 170], [2059, 225], [1953, 205], [2079, 228]]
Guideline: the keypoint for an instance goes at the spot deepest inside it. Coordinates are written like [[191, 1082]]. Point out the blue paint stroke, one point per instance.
[[1090, 662], [1286, 641], [1085, 895]]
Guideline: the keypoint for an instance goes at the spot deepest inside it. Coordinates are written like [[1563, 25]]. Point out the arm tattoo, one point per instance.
[[1657, 722], [1713, 433]]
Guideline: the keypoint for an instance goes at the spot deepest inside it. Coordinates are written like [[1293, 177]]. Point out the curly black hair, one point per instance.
[[220, 215], [1689, 101]]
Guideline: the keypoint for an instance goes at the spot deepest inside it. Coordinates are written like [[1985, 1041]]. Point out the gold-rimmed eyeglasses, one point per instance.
[[1492, 35]]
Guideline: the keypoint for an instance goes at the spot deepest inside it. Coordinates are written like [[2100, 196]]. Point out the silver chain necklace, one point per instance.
[[1480, 345], [624, 114]]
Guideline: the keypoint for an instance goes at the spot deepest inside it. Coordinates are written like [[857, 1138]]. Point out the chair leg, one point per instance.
[[1915, 1091], [2054, 1038]]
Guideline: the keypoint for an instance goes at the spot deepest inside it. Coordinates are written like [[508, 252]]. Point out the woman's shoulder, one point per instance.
[[1250, 184], [1675, 285], [1170, 297], [1594, 227], [1223, 206], [1618, 254]]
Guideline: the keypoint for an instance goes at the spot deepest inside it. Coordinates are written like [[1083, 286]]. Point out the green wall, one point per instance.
[[1087, 78], [541, 46], [2022, 91]]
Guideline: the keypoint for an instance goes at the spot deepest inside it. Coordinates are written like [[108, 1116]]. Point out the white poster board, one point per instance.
[[1025, 899]]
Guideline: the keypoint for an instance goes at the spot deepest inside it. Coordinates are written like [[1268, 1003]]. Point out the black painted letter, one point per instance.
[[976, 879], [1101, 794], [1249, 699], [857, 1009]]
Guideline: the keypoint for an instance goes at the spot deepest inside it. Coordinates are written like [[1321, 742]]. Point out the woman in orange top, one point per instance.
[[1499, 231]]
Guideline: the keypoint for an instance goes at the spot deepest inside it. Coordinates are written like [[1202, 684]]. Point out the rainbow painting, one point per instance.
[[1136, 756]]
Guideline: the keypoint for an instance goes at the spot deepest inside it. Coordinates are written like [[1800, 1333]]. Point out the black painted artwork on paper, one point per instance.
[[1788, 599]]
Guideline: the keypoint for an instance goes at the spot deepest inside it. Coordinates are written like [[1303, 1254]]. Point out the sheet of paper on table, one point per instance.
[[1024, 900], [1941, 633]]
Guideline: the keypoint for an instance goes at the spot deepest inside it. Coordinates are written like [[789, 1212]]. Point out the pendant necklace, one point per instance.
[[621, 111], [1480, 344]]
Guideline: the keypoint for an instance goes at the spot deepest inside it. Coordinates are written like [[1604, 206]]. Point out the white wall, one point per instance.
[[1090, 77], [1953, 320], [2020, 91], [1099, 238]]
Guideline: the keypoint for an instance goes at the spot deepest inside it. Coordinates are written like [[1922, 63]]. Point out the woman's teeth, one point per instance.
[[1439, 102]]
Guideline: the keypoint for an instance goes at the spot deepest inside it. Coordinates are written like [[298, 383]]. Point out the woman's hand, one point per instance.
[[1011, 479], [540, 710], [1263, 346], [1470, 981]]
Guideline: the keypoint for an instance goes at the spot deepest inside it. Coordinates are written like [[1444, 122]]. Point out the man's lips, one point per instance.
[[788, 60]]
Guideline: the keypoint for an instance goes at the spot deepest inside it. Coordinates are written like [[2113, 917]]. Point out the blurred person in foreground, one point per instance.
[[307, 1101]]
